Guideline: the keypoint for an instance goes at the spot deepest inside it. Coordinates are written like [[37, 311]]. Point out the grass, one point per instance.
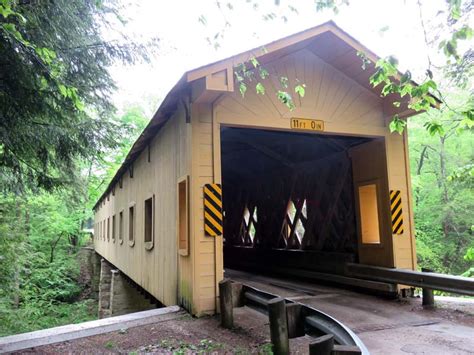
[[31, 317]]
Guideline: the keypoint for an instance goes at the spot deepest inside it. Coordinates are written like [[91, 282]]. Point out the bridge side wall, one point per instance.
[[155, 266]]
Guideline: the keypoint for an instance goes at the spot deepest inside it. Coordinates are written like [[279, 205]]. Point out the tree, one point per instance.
[[442, 191], [55, 90], [40, 234]]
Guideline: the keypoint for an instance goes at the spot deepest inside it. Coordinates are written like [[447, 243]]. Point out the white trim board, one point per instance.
[[87, 329]]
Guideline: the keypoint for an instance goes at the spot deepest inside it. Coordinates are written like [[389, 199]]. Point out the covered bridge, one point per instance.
[[218, 180]]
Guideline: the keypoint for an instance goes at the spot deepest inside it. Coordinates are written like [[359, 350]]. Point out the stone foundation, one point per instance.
[[90, 265], [119, 295]]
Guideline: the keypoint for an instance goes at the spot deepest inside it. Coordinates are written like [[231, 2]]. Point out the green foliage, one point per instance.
[[469, 255], [205, 346], [333, 5], [55, 97], [260, 89], [300, 89], [36, 316], [266, 349], [109, 345], [245, 76], [41, 233], [443, 196], [397, 125], [424, 96], [38, 267]]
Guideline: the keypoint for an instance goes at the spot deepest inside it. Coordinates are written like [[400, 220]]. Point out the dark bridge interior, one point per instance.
[[288, 200]]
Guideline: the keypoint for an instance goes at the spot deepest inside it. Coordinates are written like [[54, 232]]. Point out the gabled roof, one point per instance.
[[327, 41]]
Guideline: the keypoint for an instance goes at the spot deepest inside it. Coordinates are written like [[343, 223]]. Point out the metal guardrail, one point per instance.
[[307, 319], [426, 280]]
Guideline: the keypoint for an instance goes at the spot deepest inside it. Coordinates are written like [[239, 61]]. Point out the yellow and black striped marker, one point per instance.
[[213, 210], [396, 209]]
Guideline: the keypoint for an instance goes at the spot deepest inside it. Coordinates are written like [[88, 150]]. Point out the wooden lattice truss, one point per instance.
[[308, 209]]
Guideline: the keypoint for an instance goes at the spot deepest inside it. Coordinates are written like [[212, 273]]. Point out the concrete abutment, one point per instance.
[[119, 295]]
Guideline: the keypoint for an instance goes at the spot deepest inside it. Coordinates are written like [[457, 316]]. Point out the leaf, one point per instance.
[[365, 59], [389, 88], [10, 28], [260, 89], [434, 128], [293, 9], [254, 62], [202, 19], [383, 30], [284, 82], [405, 78], [469, 253], [63, 90], [378, 77], [431, 84], [286, 99], [406, 90], [397, 125], [263, 73], [300, 89], [43, 83], [242, 88], [6, 11]]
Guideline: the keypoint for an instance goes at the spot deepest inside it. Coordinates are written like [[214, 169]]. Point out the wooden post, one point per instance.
[[428, 296], [322, 345], [226, 303], [295, 321], [278, 326], [237, 295]]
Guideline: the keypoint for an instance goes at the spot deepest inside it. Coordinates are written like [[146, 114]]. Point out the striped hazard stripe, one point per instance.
[[213, 210], [396, 210]]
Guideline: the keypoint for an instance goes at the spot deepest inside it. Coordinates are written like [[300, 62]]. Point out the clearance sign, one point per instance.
[[305, 124]]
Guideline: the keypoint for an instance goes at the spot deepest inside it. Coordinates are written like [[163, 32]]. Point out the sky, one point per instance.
[[387, 27]]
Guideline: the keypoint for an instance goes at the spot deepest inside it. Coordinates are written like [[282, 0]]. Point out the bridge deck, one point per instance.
[[385, 326]]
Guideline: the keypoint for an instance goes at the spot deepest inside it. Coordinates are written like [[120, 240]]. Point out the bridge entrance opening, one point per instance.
[[296, 201]]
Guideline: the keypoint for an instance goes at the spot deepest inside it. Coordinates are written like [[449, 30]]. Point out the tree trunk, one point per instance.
[[443, 185], [53, 248], [418, 171]]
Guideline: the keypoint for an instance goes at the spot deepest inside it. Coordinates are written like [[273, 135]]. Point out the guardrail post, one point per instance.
[[237, 294], [226, 303], [428, 296], [278, 326], [322, 345], [294, 316]]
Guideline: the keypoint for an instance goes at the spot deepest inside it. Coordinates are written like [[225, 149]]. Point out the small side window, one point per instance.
[[369, 214], [120, 229], [131, 225], [183, 217], [108, 229], [149, 222], [114, 228]]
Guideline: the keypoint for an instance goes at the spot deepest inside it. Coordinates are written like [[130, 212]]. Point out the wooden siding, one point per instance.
[[156, 270], [205, 247]]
